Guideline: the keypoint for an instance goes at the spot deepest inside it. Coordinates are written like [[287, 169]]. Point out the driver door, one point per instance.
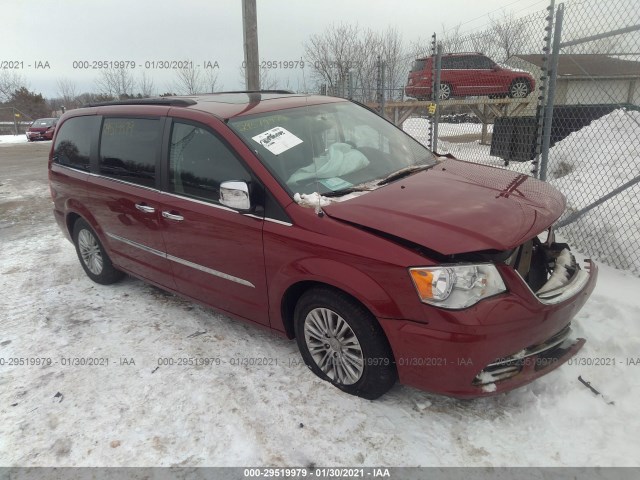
[[215, 252]]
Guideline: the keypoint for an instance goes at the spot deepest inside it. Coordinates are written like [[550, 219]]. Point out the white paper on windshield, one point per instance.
[[277, 140]]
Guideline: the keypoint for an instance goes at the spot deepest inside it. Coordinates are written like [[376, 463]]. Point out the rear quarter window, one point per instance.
[[73, 142]]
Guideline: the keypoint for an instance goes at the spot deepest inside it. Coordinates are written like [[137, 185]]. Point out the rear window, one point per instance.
[[418, 65], [129, 149], [73, 142]]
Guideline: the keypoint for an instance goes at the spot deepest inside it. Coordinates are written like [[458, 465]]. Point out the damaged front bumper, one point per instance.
[[531, 362], [503, 342]]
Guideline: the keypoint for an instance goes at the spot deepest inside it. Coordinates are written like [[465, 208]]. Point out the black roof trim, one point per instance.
[[284, 92], [173, 102]]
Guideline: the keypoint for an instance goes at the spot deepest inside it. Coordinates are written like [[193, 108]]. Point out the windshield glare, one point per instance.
[[329, 148]]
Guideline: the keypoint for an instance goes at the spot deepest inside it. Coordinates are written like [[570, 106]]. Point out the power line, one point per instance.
[[489, 13]]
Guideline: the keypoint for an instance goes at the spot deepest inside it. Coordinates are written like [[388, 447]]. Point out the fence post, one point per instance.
[[548, 111], [433, 75], [380, 86], [542, 87], [436, 97]]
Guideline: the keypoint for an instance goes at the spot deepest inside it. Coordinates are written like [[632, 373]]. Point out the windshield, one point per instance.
[[329, 148], [43, 122]]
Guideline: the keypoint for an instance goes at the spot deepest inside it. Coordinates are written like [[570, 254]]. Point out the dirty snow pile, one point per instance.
[[22, 138], [587, 165]]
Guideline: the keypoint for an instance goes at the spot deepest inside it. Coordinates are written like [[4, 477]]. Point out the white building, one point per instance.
[[588, 79]]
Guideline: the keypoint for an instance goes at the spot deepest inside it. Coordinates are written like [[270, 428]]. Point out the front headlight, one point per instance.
[[456, 286]]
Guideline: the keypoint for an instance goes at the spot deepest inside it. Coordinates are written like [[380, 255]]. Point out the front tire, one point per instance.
[[93, 258], [342, 343]]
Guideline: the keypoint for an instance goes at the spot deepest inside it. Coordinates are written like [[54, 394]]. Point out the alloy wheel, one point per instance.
[[519, 90], [90, 251], [333, 345]]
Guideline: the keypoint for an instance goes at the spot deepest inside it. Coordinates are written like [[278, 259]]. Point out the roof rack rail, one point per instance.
[[169, 101], [260, 91]]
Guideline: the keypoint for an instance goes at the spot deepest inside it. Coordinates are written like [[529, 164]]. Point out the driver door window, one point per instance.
[[199, 162]]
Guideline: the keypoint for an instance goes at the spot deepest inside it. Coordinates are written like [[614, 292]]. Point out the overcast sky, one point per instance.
[[63, 31]]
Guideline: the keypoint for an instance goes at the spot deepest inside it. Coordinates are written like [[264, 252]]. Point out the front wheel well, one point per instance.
[[293, 294]]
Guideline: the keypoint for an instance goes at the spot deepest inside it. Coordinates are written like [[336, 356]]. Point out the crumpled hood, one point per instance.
[[457, 207]]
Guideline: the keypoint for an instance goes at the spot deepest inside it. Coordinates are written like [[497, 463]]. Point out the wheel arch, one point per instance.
[[74, 211], [293, 292], [524, 79]]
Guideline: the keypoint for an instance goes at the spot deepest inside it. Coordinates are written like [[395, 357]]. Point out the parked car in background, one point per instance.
[[468, 74], [42, 129], [317, 218]]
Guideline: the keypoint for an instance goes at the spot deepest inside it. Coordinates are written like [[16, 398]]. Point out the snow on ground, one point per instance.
[[419, 128], [22, 138], [587, 165], [144, 414], [584, 166]]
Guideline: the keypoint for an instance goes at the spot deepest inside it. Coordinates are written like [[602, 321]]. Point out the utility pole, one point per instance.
[[251, 61]]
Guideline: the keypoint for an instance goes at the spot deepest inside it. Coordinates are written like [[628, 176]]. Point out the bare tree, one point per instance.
[[188, 81], [509, 36], [116, 83], [67, 92], [267, 80], [452, 41], [483, 43], [394, 54], [145, 85], [210, 80], [332, 53], [344, 51], [10, 81]]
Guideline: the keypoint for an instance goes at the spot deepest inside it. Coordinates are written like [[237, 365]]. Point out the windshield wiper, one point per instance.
[[344, 191], [405, 172]]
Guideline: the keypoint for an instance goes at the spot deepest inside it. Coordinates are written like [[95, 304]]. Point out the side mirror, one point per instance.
[[235, 194]]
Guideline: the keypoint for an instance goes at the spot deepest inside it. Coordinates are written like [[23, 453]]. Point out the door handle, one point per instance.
[[145, 208], [172, 216]]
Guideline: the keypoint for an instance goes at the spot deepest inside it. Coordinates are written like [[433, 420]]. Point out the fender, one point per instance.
[[356, 283], [73, 206]]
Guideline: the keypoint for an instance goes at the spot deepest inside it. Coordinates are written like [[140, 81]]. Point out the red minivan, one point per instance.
[[41, 129], [316, 218], [468, 74]]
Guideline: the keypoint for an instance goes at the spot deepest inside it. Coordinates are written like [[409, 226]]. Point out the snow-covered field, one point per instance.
[[135, 412], [5, 139], [419, 128]]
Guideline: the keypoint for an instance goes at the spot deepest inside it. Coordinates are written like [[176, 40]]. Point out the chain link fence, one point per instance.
[[596, 159], [555, 95]]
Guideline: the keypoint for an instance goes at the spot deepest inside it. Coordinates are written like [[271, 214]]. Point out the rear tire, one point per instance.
[[342, 343], [519, 88], [446, 91], [93, 258]]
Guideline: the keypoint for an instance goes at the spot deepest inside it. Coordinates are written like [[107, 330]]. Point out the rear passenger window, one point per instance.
[[73, 143], [129, 148], [199, 162]]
